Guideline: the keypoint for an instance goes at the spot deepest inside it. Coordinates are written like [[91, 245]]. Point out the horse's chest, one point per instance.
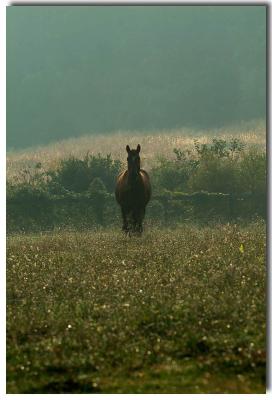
[[134, 194]]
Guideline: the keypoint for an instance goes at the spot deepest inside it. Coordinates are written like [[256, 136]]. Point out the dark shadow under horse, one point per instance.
[[133, 192]]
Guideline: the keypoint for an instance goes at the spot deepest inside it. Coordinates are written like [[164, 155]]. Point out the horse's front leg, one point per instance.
[[139, 221], [125, 221]]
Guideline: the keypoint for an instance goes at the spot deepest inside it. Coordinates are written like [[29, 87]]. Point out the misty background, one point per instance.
[[90, 69]]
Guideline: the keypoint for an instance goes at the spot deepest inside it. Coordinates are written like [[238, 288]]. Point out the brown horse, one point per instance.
[[133, 191]]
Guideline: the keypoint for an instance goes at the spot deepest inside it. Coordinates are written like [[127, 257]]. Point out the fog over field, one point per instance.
[[73, 71]]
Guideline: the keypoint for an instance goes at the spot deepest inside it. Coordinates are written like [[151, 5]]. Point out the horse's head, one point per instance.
[[133, 160]]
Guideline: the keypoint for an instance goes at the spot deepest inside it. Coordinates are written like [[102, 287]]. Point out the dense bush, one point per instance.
[[220, 181], [174, 175], [28, 208], [224, 167], [76, 175], [221, 167], [252, 172]]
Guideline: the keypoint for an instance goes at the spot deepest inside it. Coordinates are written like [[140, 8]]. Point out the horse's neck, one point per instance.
[[134, 180]]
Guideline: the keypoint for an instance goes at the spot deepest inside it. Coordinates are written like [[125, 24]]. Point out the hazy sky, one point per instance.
[[73, 70]]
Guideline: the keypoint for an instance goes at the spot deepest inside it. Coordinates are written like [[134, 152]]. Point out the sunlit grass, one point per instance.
[[176, 311], [154, 145]]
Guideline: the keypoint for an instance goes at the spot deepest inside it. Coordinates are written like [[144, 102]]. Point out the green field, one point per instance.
[[177, 310]]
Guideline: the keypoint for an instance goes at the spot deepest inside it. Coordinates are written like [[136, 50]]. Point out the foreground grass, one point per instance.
[[176, 311]]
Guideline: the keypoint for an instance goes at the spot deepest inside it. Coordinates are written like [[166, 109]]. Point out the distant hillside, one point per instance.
[[74, 70]]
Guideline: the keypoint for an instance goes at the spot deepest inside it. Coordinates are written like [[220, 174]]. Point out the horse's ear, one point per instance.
[[128, 148], [138, 148]]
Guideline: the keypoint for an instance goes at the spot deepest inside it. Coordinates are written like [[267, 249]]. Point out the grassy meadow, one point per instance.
[[179, 310], [175, 311]]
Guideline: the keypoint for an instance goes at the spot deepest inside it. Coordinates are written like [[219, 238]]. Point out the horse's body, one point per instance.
[[133, 191]]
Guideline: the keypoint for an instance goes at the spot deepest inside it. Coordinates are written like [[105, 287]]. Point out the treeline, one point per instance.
[[222, 181]]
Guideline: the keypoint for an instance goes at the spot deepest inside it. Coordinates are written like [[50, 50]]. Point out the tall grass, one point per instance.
[[154, 145]]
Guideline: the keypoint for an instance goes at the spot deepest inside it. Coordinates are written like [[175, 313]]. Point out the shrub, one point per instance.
[[252, 172], [221, 167], [252, 180], [174, 175], [155, 211], [28, 207], [73, 175], [99, 197], [104, 168], [219, 148], [215, 175], [76, 175]]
